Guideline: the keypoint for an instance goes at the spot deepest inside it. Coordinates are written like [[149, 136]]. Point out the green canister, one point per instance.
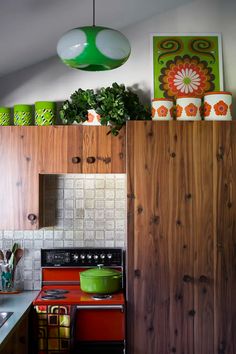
[[45, 113], [5, 116], [22, 114]]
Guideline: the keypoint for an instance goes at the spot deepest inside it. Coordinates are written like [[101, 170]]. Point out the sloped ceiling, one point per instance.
[[30, 29]]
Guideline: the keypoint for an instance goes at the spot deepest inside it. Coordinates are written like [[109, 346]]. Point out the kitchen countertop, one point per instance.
[[18, 304]]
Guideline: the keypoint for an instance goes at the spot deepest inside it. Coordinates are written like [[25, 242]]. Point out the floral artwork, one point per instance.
[[187, 65]]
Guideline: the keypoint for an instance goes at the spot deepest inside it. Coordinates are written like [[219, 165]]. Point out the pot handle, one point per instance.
[[118, 276]]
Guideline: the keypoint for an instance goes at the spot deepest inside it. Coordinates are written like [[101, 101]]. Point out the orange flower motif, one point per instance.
[[221, 108], [179, 111], [153, 112], [162, 111], [191, 110], [207, 109]]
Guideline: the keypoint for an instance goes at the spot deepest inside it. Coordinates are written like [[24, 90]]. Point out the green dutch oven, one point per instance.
[[100, 280]]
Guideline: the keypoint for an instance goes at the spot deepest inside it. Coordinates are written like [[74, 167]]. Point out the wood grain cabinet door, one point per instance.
[[19, 186], [181, 237]]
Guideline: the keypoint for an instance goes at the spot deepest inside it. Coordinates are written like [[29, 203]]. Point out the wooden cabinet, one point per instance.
[[18, 341], [181, 237], [28, 152]]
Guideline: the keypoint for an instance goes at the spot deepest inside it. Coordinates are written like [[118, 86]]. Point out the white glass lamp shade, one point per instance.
[[93, 48]]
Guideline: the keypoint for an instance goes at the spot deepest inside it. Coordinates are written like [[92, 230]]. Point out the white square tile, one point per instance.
[[89, 213], [79, 193], [69, 183], [68, 214], [89, 235], [109, 214], [58, 243], [68, 193], [58, 235], [79, 183], [99, 204], [78, 224], [68, 243], [99, 194], [69, 204], [99, 183], [99, 214], [89, 194], [88, 224], [79, 203], [109, 194], [99, 235], [89, 184], [48, 235], [110, 225], [78, 243], [48, 244], [79, 235], [79, 213], [69, 235], [109, 204], [89, 204], [109, 235]]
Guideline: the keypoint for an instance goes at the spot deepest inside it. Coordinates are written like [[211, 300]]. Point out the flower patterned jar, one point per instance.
[[22, 114], [45, 113], [218, 105], [188, 108], [93, 118], [162, 109], [5, 116]]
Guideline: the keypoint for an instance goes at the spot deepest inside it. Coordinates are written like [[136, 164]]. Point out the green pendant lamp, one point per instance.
[[93, 48]]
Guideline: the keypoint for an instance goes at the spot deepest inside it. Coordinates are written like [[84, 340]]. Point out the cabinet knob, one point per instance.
[[203, 279], [91, 159], [187, 279], [32, 217], [76, 159]]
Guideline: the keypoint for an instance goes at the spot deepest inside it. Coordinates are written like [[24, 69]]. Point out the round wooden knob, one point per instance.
[[76, 159], [187, 279], [91, 159], [203, 279], [32, 217]]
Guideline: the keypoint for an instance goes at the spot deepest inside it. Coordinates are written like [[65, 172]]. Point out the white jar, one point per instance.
[[218, 105], [188, 108], [162, 109], [93, 118]]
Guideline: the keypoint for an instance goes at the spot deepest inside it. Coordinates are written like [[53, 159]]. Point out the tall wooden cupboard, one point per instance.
[[181, 237]]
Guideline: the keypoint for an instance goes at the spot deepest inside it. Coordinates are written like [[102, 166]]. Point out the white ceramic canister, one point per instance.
[[188, 108], [93, 118], [218, 105], [162, 109]]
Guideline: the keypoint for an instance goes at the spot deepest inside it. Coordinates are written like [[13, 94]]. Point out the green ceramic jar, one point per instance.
[[45, 113], [22, 114], [5, 116]]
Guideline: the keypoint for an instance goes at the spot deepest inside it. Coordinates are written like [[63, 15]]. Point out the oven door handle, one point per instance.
[[100, 307]]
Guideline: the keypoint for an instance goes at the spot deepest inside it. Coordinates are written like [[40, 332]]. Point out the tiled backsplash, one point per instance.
[[85, 211]]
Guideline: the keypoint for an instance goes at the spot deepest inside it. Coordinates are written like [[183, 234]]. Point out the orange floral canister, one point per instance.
[[218, 105], [188, 108], [162, 109]]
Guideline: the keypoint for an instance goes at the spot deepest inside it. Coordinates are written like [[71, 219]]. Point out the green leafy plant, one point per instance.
[[115, 105]]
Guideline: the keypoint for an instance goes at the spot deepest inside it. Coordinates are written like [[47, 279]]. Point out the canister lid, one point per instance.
[[22, 108], [45, 105], [5, 110], [218, 93]]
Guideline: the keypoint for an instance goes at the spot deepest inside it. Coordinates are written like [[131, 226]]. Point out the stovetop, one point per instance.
[[75, 296]]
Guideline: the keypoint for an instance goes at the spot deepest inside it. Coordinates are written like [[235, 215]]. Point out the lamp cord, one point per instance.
[[94, 13]]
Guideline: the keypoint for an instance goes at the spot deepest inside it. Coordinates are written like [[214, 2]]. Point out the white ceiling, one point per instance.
[[30, 29]]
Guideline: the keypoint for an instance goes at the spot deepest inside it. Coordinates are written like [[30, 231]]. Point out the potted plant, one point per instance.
[[114, 104]]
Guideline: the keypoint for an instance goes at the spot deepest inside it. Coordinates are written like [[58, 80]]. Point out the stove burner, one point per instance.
[[101, 297], [56, 291], [53, 297]]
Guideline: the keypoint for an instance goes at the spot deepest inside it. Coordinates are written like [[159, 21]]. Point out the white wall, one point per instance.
[[51, 80]]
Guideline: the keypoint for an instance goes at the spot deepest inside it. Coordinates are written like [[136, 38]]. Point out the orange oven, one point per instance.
[[70, 321]]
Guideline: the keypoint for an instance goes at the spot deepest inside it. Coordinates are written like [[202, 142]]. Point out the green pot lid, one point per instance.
[[99, 272], [93, 48], [22, 107]]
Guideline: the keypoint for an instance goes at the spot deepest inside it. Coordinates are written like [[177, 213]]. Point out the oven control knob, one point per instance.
[[102, 255], [95, 256], [82, 256], [75, 257], [109, 256], [89, 256]]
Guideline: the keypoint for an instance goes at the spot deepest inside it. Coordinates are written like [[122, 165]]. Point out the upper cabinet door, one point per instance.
[[19, 189], [93, 150]]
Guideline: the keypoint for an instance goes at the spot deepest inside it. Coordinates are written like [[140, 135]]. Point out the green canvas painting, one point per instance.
[[186, 65]]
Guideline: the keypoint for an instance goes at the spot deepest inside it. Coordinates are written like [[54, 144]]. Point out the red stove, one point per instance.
[[68, 320]]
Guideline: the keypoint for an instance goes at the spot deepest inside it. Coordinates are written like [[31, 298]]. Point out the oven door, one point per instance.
[[100, 329]]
